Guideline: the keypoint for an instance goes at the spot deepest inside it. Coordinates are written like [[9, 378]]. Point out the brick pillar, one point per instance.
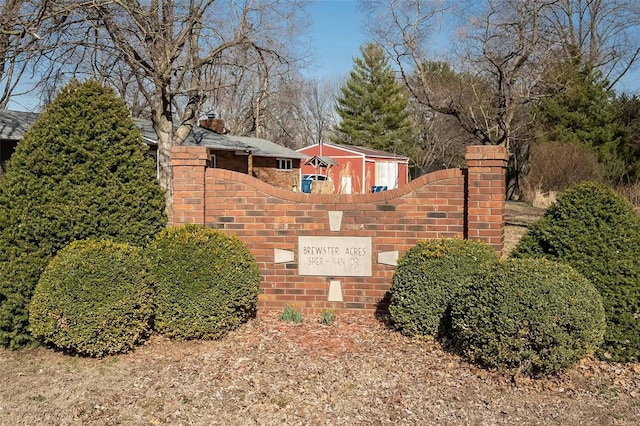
[[486, 194], [188, 163]]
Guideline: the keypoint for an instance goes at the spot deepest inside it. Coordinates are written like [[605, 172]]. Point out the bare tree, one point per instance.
[[502, 58], [318, 110], [603, 34], [171, 48], [441, 141], [25, 37], [232, 86], [278, 111], [257, 96], [274, 103]]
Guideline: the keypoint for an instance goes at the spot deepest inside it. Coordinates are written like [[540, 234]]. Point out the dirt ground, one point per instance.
[[517, 217], [354, 372]]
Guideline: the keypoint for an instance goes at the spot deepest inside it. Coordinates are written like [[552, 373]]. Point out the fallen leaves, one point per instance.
[[355, 371]]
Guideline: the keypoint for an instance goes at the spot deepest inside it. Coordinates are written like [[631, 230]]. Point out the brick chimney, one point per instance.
[[213, 123]]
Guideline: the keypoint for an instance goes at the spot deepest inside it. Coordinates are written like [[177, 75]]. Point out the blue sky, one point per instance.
[[337, 32], [336, 36]]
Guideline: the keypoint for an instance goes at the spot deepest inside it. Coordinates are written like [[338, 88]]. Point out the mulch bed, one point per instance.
[[356, 371]]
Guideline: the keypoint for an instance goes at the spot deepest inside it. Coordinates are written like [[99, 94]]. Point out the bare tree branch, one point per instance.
[[170, 47]]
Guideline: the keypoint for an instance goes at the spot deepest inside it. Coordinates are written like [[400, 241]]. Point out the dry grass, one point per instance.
[[518, 217], [544, 200], [268, 372], [512, 235], [556, 166], [631, 193]]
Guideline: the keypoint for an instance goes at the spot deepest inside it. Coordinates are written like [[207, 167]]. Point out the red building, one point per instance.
[[358, 170]]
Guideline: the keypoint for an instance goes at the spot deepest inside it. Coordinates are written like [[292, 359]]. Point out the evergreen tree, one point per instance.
[[373, 106], [628, 121], [80, 172], [582, 113]]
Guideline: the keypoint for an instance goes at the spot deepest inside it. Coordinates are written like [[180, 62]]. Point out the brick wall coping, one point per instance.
[[302, 197]]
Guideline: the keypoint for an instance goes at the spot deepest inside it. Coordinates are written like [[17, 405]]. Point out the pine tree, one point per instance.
[[373, 106], [80, 172], [582, 113], [628, 120]]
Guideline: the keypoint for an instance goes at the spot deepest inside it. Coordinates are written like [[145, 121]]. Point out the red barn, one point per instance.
[[358, 169]]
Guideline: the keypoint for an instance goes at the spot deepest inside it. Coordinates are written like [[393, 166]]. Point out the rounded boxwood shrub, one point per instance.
[[428, 277], [208, 282], [94, 298], [597, 232], [536, 315]]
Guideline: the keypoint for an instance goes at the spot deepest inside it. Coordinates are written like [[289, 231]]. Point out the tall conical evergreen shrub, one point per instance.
[[80, 172]]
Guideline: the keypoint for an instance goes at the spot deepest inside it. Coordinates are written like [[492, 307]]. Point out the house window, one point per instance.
[[284, 164], [212, 161]]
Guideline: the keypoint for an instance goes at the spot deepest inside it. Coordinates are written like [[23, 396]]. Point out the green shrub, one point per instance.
[[14, 299], [208, 282], [532, 314], [81, 171], [597, 232], [94, 298], [428, 277]]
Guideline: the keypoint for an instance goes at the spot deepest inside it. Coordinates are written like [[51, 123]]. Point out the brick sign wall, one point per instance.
[[338, 251]]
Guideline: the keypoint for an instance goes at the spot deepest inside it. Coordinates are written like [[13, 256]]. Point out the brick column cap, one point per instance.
[[486, 152], [188, 156], [182, 152]]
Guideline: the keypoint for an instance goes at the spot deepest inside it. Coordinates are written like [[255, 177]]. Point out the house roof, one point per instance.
[[259, 147], [321, 161], [370, 152], [13, 125], [367, 152], [146, 128]]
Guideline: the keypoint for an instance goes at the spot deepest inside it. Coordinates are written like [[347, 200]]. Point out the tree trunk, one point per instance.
[[163, 126]]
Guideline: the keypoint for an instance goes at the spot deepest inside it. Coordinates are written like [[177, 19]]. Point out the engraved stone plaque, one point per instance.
[[335, 256]]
